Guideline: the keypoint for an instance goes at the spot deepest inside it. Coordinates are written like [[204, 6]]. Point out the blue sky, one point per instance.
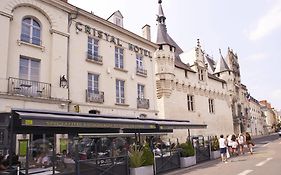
[[251, 28]]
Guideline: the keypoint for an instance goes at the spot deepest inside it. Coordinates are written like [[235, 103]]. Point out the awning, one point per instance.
[[54, 119]]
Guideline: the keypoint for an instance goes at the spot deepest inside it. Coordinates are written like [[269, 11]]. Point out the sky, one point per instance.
[[252, 28]]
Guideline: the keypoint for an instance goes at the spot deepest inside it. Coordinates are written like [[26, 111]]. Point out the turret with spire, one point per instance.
[[165, 57]]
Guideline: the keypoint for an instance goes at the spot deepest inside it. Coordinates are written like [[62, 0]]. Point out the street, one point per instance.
[[265, 160]]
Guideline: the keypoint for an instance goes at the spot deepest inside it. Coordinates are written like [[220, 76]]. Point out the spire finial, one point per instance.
[[159, 1], [220, 51], [198, 43]]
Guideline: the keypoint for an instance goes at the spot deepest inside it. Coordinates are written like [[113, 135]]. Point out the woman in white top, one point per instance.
[[241, 141], [222, 144]]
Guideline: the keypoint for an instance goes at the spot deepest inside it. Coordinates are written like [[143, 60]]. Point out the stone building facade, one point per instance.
[[57, 57]]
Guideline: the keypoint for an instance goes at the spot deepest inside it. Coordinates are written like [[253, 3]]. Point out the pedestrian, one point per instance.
[[241, 142], [229, 144], [249, 142], [234, 145], [223, 147]]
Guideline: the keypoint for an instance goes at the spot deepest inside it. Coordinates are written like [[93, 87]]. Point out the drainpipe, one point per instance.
[[71, 17]]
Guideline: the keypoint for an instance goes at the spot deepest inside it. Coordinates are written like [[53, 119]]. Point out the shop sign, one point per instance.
[[81, 124]]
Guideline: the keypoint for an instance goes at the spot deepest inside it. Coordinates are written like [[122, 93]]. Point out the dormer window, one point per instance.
[[116, 18]]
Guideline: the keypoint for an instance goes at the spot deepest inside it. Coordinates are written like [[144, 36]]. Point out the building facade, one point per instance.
[[257, 120], [186, 87], [55, 56], [270, 115]]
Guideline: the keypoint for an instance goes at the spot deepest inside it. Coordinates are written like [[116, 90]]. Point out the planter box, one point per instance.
[[187, 161], [144, 170], [215, 154]]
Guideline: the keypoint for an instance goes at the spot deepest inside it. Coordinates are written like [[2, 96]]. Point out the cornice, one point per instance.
[[6, 14]]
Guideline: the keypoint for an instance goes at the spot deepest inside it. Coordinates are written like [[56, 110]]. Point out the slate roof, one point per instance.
[[221, 65]]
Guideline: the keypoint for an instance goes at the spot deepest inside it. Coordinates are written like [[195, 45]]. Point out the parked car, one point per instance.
[[279, 132]]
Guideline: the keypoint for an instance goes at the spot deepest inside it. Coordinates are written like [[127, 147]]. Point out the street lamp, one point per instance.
[[63, 81]]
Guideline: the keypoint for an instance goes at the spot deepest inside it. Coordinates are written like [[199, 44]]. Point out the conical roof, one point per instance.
[[221, 65]]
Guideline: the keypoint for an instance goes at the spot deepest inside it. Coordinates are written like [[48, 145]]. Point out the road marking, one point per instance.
[[245, 172], [264, 162], [265, 145]]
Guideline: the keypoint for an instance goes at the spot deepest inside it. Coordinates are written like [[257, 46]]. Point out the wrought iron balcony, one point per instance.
[[94, 96], [93, 57], [141, 71], [143, 103], [28, 88]]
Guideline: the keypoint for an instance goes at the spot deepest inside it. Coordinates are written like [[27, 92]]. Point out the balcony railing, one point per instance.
[[29, 88], [94, 96], [143, 103], [141, 71], [93, 57]]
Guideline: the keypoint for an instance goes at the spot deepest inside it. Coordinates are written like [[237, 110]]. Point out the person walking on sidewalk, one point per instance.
[[241, 141], [223, 147], [249, 142]]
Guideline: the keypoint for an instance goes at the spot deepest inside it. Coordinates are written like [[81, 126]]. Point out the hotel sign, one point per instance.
[[110, 38]]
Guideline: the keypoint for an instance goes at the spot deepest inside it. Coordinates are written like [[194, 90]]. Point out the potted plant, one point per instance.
[[187, 155], [215, 152], [141, 160]]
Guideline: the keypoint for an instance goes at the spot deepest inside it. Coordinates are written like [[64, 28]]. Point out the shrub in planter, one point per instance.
[[215, 153], [141, 160], [135, 155], [215, 144], [187, 149], [147, 156], [187, 155]]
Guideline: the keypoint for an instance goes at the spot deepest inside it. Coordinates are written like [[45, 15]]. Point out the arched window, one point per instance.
[[30, 31]]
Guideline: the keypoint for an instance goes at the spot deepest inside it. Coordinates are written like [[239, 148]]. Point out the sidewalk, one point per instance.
[[192, 168]]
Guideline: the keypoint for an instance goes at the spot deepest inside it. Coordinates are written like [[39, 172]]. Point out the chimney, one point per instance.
[[146, 32]]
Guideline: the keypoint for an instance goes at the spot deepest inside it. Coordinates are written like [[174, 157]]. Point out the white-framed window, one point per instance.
[[93, 83], [139, 61], [118, 21], [31, 31], [190, 102], [120, 91], [140, 91], [211, 105], [119, 57], [201, 74], [93, 48], [29, 69]]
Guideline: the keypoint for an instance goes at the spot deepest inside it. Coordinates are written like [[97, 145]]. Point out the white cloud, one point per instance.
[[267, 23]]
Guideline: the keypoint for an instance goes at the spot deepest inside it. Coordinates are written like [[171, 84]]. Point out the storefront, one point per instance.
[[48, 141]]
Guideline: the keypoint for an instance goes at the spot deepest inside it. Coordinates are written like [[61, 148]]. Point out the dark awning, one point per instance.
[[53, 119]]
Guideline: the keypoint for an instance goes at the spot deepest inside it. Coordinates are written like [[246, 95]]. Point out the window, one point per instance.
[[211, 105], [29, 69], [139, 60], [120, 91], [201, 74], [30, 31], [2, 135], [140, 91], [119, 57], [190, 102], [93, 48], [118, 21], [93, 83]]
